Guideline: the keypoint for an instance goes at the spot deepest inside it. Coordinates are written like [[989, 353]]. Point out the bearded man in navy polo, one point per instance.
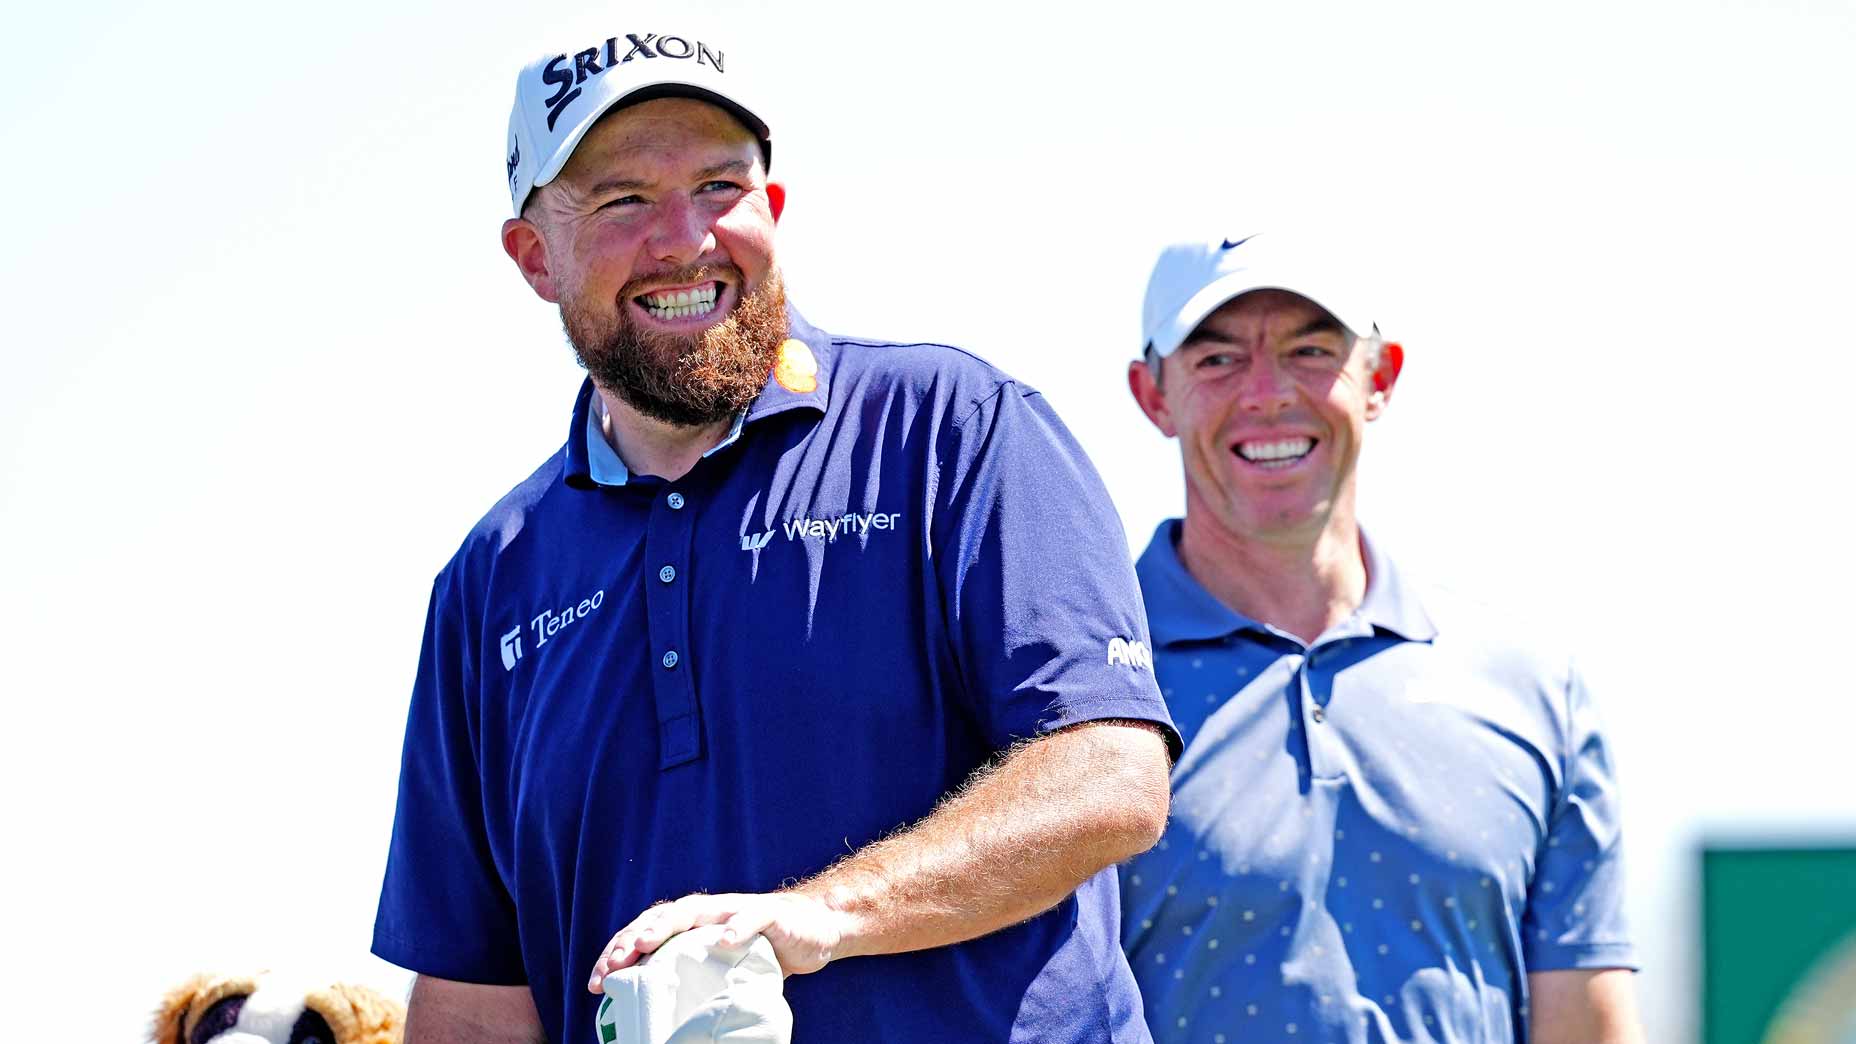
[[826, 640]]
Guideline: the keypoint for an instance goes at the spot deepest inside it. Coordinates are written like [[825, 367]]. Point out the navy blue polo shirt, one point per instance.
[[1376, 835], [634, 689]]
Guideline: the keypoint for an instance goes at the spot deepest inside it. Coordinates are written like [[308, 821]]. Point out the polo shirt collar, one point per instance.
[[604, 465], [1180, 609], [592, 462], [775, 397]]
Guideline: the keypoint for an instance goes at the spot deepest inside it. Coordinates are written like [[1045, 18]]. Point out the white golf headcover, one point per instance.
[[694, 990]]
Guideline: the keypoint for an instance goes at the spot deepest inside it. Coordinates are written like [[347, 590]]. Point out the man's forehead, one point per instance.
[[651, 132], [1271, 308]]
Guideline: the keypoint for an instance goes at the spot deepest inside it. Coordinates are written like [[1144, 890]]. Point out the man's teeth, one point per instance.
[[679, 304], [1281, 451]]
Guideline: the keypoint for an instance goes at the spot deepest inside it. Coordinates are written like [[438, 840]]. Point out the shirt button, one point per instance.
[[670, 659], [675, 500], [667, 574], [1319, 715]]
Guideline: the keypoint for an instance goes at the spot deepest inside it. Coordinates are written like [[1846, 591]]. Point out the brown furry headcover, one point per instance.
[[355, 1014]]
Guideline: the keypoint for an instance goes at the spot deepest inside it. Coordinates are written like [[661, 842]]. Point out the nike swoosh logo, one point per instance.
[[1228, 244]]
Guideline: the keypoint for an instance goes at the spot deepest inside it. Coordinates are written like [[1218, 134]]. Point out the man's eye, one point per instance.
[[1315, 351], [623, 201], [719, 186], [1215, 359]]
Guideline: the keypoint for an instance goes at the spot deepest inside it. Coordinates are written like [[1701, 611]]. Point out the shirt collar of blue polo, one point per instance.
[[606, 468], [593, 463], [1180, 609]]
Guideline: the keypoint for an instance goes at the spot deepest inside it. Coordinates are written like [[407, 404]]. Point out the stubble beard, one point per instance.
[[689, 380]]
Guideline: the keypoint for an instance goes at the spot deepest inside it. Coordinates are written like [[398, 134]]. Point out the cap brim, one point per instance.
[[667, 88], [1215, 295]]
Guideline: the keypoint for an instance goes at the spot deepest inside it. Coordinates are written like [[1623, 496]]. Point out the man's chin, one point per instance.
[[686, 375], [678, 410]]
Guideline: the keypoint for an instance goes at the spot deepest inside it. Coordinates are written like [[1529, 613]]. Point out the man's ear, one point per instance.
[[776, 198], [1384, 377], [1148, 396], [523, 242]]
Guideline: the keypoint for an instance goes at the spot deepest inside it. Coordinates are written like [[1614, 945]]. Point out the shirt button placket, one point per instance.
[[1318, 739], [1315, 713], [669, 543]]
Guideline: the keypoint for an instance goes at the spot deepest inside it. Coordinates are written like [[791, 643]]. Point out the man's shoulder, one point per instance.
[[956, 377], [1506, 636]]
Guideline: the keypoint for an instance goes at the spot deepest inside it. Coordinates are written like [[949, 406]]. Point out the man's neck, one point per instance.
[[1303, 583], [649, 446]]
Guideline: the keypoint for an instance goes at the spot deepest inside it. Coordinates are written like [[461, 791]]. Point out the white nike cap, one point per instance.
[[1192, 280], [560, 96]]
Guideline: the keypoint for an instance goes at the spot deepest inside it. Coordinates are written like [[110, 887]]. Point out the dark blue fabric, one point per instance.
[[1375, 836], [879, 586]]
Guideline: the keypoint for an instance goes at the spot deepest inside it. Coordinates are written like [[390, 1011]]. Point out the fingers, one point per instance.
[[806, 934], [645, 933], [650, 929], [746, 924]]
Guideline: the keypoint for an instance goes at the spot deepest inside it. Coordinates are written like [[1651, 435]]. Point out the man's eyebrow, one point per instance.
[[1210, 336], [617, 185], [739, 168], [1320, 324]]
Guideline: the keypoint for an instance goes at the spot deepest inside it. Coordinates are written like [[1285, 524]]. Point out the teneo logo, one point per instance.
[[587, 63], [515, 157], [547, 624], [1129, 654], [827, 529]]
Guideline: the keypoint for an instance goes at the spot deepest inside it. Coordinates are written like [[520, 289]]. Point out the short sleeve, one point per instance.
[[1041, 601], [443, 908], [1575, 908]]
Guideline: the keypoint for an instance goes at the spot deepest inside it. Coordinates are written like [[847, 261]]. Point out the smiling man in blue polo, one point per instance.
[[1395, 818], [825, 640]]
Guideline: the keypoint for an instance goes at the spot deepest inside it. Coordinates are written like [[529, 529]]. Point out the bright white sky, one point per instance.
[[265, 363]]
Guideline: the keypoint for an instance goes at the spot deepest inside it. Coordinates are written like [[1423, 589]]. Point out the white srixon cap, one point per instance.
[[560, 96], [1192, 280]]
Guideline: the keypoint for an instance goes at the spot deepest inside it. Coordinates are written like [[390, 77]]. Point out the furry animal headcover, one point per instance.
[[266, 1009]]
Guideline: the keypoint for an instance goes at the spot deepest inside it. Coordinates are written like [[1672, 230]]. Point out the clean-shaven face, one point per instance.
[[659, 237], [1269, 397]]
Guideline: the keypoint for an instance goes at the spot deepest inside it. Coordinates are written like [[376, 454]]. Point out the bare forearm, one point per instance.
[[444, 1012], [1013, 842], [1017, 839]]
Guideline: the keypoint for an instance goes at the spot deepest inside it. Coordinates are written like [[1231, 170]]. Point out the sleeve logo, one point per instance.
[[1128, 653]]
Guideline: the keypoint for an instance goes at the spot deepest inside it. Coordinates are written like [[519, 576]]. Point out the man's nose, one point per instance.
[[681, 232], [1266, 389]]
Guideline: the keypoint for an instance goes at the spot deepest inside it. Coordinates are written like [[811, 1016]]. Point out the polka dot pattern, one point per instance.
[[1322, 866]]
